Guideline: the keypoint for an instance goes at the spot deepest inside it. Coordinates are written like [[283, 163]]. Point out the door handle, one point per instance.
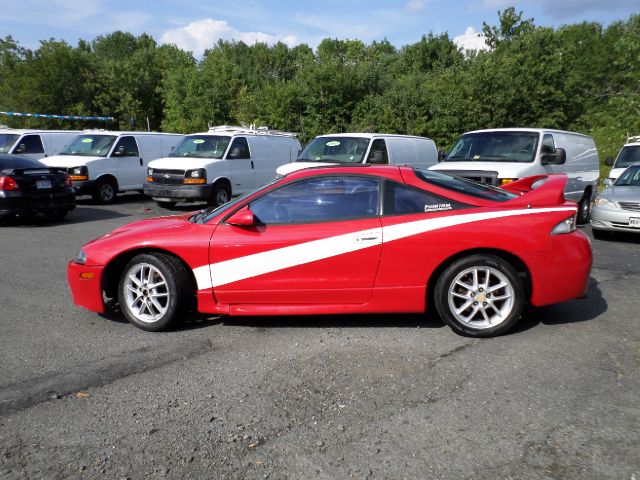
[[368, 237], [140, 162], [251, 164]]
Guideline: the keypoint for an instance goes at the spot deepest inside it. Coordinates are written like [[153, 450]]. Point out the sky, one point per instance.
[[196, 25]]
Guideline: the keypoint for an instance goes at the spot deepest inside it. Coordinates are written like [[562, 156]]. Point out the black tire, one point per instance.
[[176, 286], [56, 215], [105, 191], [167, 205], [600, 234], [220, 195], [477, 325], [584, 209]]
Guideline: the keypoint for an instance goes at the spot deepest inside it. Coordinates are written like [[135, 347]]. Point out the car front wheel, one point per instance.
[[479, 296], [154, 290]]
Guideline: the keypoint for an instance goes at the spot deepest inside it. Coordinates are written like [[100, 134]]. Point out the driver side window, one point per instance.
[[126, 147]]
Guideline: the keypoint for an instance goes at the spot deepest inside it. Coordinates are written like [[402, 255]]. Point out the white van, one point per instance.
[[628, 155], [502, 155], [102, 163], [34, 144], [214, 166], [363, 148]]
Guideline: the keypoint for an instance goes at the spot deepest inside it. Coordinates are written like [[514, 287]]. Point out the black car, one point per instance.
[[28, 187]]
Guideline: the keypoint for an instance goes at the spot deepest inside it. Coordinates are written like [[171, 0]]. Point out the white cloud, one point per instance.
[[471, 40], [203, 34], [416, 5]]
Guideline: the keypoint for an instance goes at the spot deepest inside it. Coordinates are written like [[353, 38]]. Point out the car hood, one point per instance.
[[68, 161], [503, 169], [182, 163], [622, 194]]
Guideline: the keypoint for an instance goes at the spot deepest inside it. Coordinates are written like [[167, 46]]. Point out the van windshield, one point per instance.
[[495, 147], [201, 146], [628, 155], [6, 141], [335, 150], [90, 146]]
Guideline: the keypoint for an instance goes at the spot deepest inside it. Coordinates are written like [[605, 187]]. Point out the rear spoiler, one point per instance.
[[538, 190]]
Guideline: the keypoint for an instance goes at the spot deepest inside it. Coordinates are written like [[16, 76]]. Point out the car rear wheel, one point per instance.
[[479, 296], [105, 191], [584, 209], [220, 195], [154, 290]]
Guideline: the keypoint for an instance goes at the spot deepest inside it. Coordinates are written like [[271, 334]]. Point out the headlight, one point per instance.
[[196, 176], [568, 225], [604, 202], [81, 258], [79, 174]]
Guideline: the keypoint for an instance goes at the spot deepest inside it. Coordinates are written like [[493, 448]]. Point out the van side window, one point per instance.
[[126, 147], [239, 149], [548, 145], [30, 144], [378, 153], [402, 200]]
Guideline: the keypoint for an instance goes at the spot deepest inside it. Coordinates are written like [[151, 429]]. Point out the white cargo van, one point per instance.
[[363, 148], [102, 163], [34, 144], [214, 166], [628, 155], [502, 155]]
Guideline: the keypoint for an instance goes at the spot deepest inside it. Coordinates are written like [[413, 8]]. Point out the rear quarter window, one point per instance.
[[464, 186]]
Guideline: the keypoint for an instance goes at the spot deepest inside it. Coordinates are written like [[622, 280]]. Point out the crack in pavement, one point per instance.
[[55, 385]]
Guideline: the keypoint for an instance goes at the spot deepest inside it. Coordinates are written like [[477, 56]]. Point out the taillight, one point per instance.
[[8, 184]]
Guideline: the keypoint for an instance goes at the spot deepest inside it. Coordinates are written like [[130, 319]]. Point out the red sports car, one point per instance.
[[348, 239]]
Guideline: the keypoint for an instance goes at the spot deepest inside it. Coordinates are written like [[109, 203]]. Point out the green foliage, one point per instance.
[[583, 77]]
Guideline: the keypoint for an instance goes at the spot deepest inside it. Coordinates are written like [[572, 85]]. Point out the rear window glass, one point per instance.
[[464, 186]]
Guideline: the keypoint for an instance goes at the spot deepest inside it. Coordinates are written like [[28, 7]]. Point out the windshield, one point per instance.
[[627, 156], [6, 141], [495, 147], [90, 146], [630, 177], [201, 146], [464, 186], [335, 149], [207, 214]]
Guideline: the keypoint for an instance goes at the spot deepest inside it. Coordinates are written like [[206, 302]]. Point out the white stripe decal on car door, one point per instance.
[[241, 268]]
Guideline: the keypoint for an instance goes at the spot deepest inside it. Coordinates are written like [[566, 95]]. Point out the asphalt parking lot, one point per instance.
[[83, 396]]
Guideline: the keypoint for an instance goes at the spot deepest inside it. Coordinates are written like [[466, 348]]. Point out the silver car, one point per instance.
[[617, 208]]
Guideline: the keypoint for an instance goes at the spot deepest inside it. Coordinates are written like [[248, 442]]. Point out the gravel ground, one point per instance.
[[375, 397]]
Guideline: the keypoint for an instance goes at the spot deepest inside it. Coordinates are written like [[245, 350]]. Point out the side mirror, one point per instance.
[[376, 157], [442, 155], [561, 156], [607, 182], [242, 218], [608, 162], [119, 151], [236, 152], [21, 148]]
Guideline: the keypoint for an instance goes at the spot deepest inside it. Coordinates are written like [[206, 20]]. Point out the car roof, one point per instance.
[[370, 135], [390, 171], [525, 129]]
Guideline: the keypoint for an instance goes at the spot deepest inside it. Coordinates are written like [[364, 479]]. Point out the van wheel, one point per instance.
[[220, 195], [584, 209], [105, 191], [479, 296]]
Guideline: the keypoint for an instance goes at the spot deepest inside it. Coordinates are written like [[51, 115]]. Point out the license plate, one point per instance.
[[634, 221], [43, 183]]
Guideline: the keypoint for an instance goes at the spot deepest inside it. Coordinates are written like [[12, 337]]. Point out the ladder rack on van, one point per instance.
[[633, 138], [251, 130]]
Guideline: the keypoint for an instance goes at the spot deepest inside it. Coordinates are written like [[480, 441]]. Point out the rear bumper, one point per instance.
[[17, 203], [85, 283], [178, 193], [562, 273]]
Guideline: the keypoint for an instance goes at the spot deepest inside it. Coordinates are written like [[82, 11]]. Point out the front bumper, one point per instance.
[[17, 203], [613, 220], [85, 282], [83, 187], [178, 193]]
